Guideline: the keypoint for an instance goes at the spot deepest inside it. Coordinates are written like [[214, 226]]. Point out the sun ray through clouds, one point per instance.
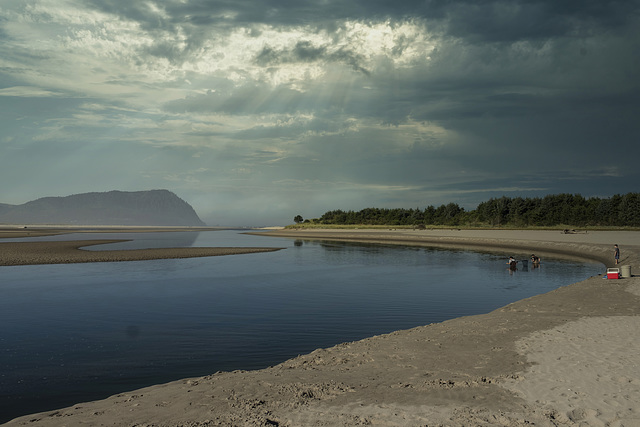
[[318, 101]]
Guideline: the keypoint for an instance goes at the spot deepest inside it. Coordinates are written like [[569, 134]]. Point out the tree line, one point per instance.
[[552, 210]]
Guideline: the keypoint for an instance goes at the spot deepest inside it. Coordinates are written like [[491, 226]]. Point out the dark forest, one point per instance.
[[549, 211]]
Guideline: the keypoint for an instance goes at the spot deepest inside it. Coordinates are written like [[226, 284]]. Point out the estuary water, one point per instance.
[[78, 332]]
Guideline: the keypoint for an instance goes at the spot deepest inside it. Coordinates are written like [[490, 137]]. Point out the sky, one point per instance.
[[255, 111]]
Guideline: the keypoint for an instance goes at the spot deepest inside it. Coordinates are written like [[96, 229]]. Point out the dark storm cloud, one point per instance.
[[489, 20], [487, 27], [502, 21], [241, 12], [306, 51]]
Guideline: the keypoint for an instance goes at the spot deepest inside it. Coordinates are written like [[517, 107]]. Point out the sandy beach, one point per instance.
[[565, 358]]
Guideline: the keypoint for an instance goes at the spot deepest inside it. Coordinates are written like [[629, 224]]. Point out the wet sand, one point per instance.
[[30, 253], [567, 357], [65, 252]]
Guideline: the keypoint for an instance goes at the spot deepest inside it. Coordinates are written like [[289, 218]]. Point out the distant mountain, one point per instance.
[[151, 208]]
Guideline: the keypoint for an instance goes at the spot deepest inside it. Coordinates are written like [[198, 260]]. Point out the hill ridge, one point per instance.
[[151, 207]]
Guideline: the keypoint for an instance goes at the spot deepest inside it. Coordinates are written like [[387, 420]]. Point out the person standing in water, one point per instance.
[[616, 253]]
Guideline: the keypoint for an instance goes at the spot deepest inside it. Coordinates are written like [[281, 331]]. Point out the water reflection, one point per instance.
[[84, 331], [133, 331], [175, 239], [138, 240]]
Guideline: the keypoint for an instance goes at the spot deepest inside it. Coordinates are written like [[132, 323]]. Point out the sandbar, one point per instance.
[[564, 358], [67, 252]]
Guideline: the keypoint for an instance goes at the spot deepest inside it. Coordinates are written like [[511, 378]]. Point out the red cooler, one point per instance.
[[613, 273]]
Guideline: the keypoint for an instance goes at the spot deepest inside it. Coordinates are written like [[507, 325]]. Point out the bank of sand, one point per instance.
[[567, 357], [65, 252], [30, 253]]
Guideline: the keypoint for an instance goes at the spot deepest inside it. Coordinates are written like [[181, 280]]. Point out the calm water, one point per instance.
[[78, 332]]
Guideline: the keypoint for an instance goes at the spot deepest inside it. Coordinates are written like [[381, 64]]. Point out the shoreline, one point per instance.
[[506, 367], [594, 246]]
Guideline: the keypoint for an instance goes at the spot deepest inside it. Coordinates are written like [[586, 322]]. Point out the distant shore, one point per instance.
[[564, 358]]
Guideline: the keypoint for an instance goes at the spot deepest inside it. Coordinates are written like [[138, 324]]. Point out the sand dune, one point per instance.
[[564, 358]]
